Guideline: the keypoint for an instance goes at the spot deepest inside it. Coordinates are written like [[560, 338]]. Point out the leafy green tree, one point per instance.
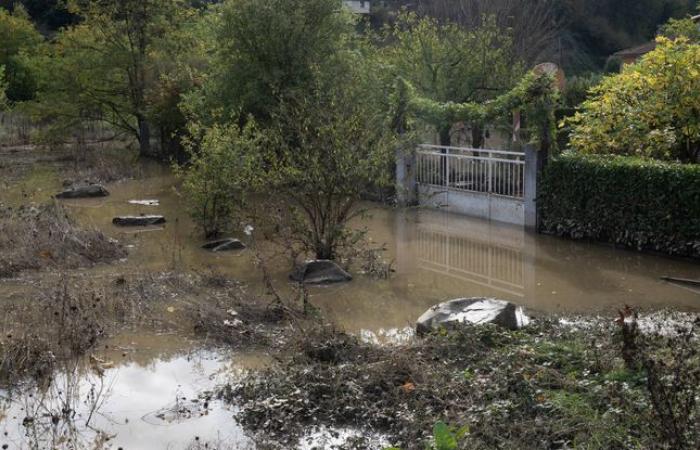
[[105, 67], [18, 39], [314, 90], [651, 109], [222, 175], [685, 27], [447, 63], [267, 51]]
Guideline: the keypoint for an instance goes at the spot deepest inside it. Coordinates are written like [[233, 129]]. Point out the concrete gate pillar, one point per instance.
[[406, 187], [535, 161]]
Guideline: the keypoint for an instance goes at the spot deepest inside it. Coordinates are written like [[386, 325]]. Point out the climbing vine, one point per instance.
[[534, 95]]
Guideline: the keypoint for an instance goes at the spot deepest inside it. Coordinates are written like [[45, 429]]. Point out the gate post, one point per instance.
[[406, 187], [534, 163]]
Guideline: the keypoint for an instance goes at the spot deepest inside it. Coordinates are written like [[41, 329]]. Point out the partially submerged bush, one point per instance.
[[45, 236]]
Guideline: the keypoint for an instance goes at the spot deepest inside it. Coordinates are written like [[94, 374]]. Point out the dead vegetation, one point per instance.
[[55, 322], [36, 237], [549, 386]]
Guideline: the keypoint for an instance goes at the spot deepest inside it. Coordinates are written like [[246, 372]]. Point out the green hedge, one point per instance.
[[643, 204]]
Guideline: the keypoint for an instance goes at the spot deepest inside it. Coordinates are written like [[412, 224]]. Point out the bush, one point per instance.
[[648, 110], [643, 204]]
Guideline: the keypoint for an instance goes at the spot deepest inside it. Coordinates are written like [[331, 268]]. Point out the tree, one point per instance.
[[450, 64], [266, 51], [104, 68], [534, 25], [303, 126], [222, 175], [651, 109], [685, 27], [19, 39]]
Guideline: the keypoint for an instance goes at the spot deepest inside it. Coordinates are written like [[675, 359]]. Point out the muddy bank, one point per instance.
[[36, 237], [550, 385], [57, 320]]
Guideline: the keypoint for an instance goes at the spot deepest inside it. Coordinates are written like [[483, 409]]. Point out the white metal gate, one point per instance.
[[483, 182], [496, 172]]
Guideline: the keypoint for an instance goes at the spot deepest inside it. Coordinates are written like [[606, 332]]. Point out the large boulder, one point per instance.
[[88, 191], [476, 311], [138, 221], [320, 271], [224, 245]]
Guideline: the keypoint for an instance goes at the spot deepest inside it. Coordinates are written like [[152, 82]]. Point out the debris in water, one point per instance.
[[145, 202]]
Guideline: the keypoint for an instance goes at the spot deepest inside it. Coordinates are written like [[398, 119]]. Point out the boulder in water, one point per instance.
[[475, 311], [320, 271], [88, 191], [138, 221], [224, 245]]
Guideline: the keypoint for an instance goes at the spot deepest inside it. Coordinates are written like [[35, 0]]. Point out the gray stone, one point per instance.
[[89, 191], [138, 221], [320, 271], [224, 245], [476, 311]]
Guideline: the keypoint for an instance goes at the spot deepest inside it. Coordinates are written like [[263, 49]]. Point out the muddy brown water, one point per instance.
[[437, 256]]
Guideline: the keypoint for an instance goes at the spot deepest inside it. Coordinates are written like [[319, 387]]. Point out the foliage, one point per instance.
[[685, 27], [322, 137], [267, 51], [577, 89], [105, 68], [579, 35], [534, 94], [48, 15], [221, 176], [19, 39], [331, 146], [637, 203], [448, 64], [651, 109]]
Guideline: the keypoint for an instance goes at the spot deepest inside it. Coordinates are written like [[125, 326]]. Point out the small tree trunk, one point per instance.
[[144, 136], [477, 135]]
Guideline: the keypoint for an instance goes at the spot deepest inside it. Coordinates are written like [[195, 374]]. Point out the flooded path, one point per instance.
[[154, 390]]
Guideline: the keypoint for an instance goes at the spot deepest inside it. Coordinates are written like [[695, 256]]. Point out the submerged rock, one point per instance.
[[89, 191], [223, 245], [476, 311], [320, 271], [138, 221]]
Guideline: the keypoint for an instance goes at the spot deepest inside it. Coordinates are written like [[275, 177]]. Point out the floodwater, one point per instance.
[[154, 387], [437, 256]]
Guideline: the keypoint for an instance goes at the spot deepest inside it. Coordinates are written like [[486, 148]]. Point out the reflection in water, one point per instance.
[[489, 264], [165, 403]]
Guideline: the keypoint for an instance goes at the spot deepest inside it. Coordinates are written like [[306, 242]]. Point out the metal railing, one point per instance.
[[495, 172]]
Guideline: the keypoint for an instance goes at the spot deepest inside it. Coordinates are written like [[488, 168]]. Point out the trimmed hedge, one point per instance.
[[637, 203]]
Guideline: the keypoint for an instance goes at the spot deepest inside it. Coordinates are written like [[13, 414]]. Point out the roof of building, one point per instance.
[[638, 50]]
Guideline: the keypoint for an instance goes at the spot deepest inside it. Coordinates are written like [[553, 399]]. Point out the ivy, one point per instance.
[[534, 94]]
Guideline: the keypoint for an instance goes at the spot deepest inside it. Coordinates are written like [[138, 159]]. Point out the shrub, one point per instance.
[[637, 203], [650, 109]]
